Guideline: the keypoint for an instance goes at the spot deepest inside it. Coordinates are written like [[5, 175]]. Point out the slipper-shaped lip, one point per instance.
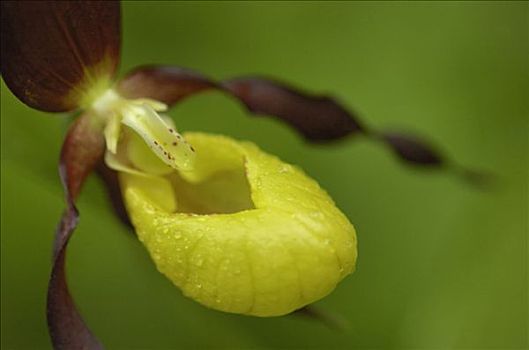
[[288, 251]]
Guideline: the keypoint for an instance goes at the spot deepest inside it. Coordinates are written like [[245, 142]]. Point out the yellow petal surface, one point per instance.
[[243, 232]]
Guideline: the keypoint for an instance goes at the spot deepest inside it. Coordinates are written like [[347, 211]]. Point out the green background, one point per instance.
[[441, 264]]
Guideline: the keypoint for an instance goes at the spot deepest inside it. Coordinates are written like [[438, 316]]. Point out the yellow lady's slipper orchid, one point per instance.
[[234, 228]]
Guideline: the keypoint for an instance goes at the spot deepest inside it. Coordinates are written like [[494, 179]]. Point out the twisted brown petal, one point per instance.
[[53, 51], [317, 118], [82, 149]]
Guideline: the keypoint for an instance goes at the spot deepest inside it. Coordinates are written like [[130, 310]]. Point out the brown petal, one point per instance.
[[317, 118], [53, 51], [82, 149], [67, 328]]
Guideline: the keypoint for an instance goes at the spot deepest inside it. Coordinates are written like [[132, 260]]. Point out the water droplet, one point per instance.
[[284, 169]]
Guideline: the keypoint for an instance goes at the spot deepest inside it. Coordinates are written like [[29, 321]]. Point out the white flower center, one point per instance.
[[141, 116]]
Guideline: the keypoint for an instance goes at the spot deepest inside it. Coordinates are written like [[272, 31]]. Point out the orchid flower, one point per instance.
[[236, 229]]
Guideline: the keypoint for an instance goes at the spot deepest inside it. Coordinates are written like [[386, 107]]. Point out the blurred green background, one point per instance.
[[441, 264]]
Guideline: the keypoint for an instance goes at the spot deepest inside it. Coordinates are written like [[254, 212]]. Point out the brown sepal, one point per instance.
[[53, 51]]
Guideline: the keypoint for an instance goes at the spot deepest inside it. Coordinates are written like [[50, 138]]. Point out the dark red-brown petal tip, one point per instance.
[[412, 149], [82, 149], [52, 52]]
